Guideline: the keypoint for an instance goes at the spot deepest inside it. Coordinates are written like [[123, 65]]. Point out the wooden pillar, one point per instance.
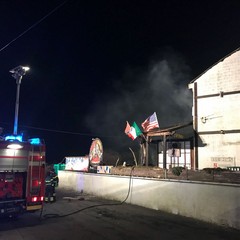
[[146, 162], [195, 126], [164, 152]]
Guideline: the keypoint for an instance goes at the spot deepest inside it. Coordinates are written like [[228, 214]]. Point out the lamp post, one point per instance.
[[17, 73]]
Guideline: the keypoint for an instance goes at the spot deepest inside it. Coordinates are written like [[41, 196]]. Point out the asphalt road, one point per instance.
[[88, 217]]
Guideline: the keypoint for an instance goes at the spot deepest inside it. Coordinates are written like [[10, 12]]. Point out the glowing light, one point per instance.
[[19, 71], [35, 183], [26, 68], [14, 146], [37, 199], [14, 138], [34, 141]]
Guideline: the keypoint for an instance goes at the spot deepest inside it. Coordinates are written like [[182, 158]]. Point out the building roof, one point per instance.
[[167, 131], [222, 59]]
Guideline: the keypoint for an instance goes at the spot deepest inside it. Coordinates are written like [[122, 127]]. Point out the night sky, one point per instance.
[[97, 64]]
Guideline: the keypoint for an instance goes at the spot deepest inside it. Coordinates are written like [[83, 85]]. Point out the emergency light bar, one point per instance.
[[35, 141], [14, 138]]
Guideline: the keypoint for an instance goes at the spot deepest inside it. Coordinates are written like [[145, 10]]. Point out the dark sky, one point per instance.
[[96, 64]]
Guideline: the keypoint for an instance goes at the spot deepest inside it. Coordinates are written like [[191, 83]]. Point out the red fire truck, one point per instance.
[[22, 175]]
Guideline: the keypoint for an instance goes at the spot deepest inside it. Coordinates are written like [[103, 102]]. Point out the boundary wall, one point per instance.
[[210, 202]]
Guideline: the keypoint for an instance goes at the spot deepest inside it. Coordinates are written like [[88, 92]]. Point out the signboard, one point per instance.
[[104, 169], [77, 163], [96, 152], [174, 152]]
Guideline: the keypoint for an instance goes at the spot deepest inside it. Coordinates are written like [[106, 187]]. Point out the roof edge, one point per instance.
[[214, 64]]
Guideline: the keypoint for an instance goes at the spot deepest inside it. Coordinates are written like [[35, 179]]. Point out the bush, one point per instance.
[[208, 170], [177, 170], [213, 170]]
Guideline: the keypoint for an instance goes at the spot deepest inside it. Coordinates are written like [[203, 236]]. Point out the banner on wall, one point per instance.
[[77, 163]]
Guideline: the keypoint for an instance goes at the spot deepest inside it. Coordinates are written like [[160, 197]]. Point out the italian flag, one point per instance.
[[133, 131]]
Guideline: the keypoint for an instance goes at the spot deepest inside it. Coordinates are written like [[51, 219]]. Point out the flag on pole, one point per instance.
[[128, 128], [133, 131], [150, 123]]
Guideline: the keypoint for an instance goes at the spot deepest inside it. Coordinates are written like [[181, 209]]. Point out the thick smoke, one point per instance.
[[162, 88]]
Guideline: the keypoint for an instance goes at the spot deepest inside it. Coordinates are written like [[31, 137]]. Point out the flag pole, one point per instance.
[[146, 160]]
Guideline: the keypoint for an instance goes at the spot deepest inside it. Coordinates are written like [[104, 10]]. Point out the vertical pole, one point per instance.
[[195, 126], [146, 162], [15, 127], [164, 152]]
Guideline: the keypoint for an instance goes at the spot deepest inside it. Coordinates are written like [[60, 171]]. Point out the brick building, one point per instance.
[[216, 114]]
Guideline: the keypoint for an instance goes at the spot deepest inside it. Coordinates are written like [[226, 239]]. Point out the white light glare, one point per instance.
[[26, 68], [14, 146]]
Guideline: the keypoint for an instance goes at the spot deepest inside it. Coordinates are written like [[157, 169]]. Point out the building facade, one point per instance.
[[216, 114]]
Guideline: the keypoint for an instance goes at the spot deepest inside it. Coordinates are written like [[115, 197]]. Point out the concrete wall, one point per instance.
[[209, 202]]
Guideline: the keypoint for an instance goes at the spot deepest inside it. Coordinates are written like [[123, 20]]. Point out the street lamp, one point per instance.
[[17, 73]]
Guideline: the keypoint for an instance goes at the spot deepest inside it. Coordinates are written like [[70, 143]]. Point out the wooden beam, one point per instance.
[[158, 134]]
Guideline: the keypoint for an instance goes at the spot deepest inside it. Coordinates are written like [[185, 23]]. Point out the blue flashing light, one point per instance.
[[34, 141], [14, 138]]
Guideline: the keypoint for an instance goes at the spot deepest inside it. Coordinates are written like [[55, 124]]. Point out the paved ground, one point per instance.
[[94, 218]]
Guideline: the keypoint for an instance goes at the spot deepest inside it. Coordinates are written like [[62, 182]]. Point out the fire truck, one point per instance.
[[22, 175]]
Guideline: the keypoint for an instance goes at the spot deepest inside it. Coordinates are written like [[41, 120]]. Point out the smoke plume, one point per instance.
[[161, 88]]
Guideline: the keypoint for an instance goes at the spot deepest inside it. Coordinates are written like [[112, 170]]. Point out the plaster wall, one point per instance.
[[213, 203], [218, 125]]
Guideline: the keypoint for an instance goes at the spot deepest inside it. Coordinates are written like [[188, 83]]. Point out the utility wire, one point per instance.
[[58, 131], [67, 132], [64, 132], [34, 25]]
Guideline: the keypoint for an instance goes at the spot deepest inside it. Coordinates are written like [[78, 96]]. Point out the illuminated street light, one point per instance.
[[17, 73]]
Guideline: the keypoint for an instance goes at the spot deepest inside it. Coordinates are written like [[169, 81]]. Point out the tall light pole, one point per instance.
[[17, 73]]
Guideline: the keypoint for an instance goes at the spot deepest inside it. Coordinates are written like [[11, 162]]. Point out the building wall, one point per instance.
[[216, 113], [210, 202]]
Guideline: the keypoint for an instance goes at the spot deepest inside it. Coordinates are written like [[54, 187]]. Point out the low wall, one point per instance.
[[210, 202]]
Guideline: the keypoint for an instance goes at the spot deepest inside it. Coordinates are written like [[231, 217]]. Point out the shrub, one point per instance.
[[177, 170], [213, 170]]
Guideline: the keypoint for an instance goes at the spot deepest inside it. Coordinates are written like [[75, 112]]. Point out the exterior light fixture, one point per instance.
[[18, 73]]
